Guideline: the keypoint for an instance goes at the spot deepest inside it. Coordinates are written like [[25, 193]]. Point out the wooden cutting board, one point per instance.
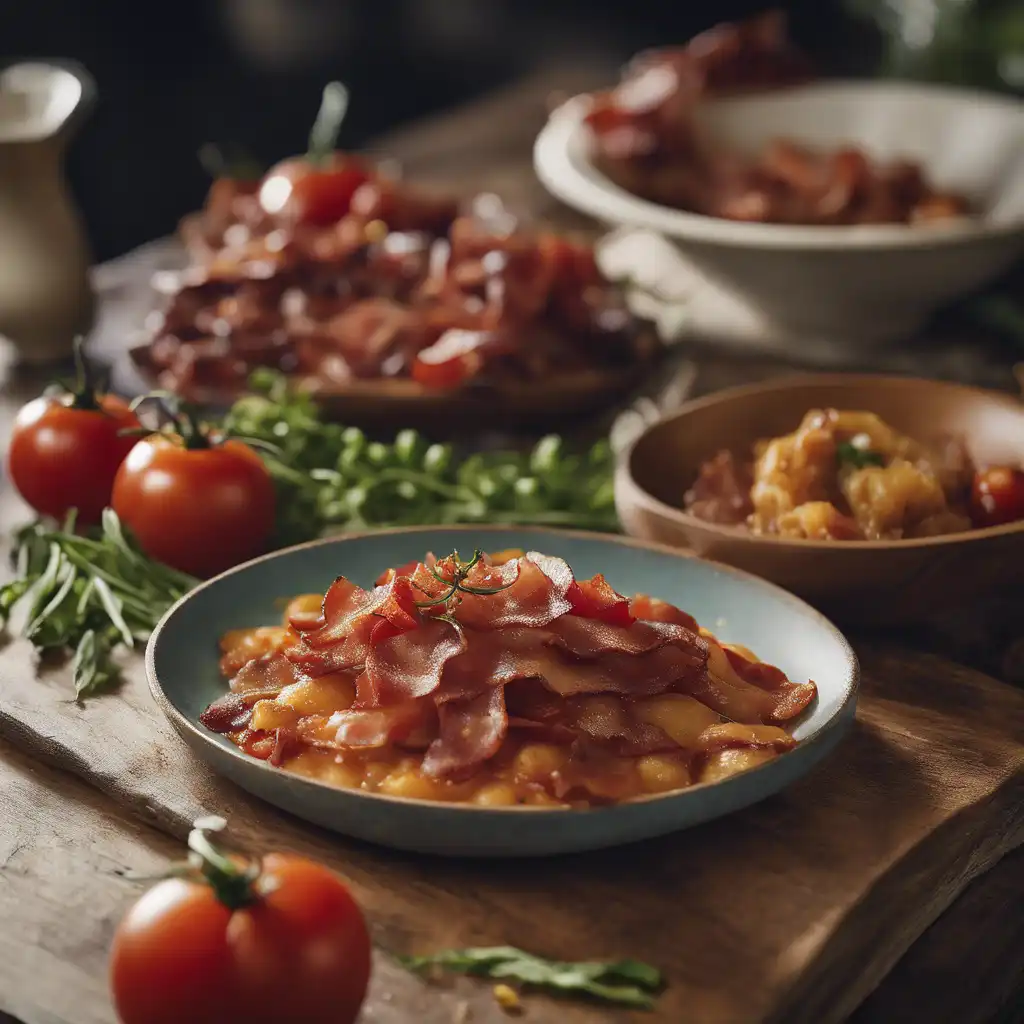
[[791, 911]]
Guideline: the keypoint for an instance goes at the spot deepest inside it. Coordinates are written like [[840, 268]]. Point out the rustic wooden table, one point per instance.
[[86, 794]]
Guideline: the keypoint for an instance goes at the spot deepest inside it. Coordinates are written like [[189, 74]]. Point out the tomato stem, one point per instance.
[[233, 883], [323, 136], [84, 391]]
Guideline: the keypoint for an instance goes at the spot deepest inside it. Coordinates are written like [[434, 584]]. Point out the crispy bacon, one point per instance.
[[365, 728], [410, 664], [229, 713], [650, 609], [471, 731], [346, 604], [556, 660], [266, 676], [596, 599]]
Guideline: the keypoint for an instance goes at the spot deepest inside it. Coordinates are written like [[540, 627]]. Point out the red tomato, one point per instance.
[[299, 952], [595, 599], [200, 510], [65, 452], [306, 193], [451, 360], [997, 496]]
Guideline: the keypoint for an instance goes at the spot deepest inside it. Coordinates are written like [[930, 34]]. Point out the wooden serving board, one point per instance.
[[791, 911]]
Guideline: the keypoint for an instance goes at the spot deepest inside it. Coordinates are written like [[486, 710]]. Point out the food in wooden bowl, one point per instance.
[[500, 681], [893, 498], [506, 705], [370, 290], [817, 203]]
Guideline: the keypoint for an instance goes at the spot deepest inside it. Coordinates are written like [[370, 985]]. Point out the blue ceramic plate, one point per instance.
[[182, 656]]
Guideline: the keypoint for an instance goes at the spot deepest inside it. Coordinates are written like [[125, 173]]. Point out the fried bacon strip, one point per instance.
[[448, 657]]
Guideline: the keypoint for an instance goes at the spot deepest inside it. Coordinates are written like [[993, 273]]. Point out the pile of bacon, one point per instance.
[[399, 286], [523, 653], [647, 140]]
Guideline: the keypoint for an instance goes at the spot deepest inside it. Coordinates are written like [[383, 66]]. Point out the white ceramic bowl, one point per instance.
[[863, 284]]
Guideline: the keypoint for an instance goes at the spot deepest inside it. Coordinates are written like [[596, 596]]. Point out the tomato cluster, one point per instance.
[[196, 502]]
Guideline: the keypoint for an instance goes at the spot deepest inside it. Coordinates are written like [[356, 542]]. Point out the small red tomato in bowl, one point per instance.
[[997, 496], [234, 941], [65, 449], [200, 505]]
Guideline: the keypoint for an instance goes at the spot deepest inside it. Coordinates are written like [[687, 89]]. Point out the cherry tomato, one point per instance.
[[997, 496], [455, 357], [198, 509], [289, 945], [304, 192], [65, 452], [595, 599]]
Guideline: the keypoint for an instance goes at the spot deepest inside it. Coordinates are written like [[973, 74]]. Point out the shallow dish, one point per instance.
[[181, 663], [888, 582], [863, 283]]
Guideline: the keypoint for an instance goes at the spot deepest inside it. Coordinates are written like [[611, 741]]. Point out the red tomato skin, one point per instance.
[[61, 458], [312, 193], [997, 496], [202, 510], [307, 942], [301, 953], [170, 960]]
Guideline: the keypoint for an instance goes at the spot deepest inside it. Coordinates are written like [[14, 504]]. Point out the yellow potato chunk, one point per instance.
[[677, 715], [409, 783], [321, 696], [325, 767], [268, 714], [304, 604], [535, 762], [660, 773], [495, 794], [733, 760]]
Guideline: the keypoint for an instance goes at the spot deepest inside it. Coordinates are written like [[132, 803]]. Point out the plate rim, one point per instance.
[[839, 720]]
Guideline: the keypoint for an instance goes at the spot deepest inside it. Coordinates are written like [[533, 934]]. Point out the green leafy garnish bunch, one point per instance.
[[623, 982], [88, 593], [332, 478]]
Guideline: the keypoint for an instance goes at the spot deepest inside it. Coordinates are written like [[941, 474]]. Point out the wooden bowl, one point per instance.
[[890, 582], [557, 402]]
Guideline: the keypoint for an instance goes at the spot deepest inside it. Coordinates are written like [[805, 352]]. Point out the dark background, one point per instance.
[[172, 76]]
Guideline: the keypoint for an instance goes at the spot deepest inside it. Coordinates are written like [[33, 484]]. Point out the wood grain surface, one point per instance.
[[795, 910], [792, 911]]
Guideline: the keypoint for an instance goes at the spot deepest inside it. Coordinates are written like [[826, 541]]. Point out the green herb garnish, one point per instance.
[[848, 454], [332, 478], [88, 594], [625, 982]]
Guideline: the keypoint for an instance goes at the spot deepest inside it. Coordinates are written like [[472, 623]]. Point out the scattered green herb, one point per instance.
[[848, 454], [332, 478], [625, 982], [88, 593]]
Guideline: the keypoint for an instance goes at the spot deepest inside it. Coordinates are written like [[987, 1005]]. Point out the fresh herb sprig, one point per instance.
[[624, 982], [849, 454], [87, 594], [332, 478]]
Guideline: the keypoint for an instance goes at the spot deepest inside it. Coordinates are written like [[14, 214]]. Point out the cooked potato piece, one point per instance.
[[817, 520], [660, 773], [733, 760], [268, 715], [681, 717], [240, 646], [321, 696], [889, 501], [304, 604]]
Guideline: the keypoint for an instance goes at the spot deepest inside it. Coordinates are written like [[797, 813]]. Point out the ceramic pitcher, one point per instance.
[[45, 297]]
